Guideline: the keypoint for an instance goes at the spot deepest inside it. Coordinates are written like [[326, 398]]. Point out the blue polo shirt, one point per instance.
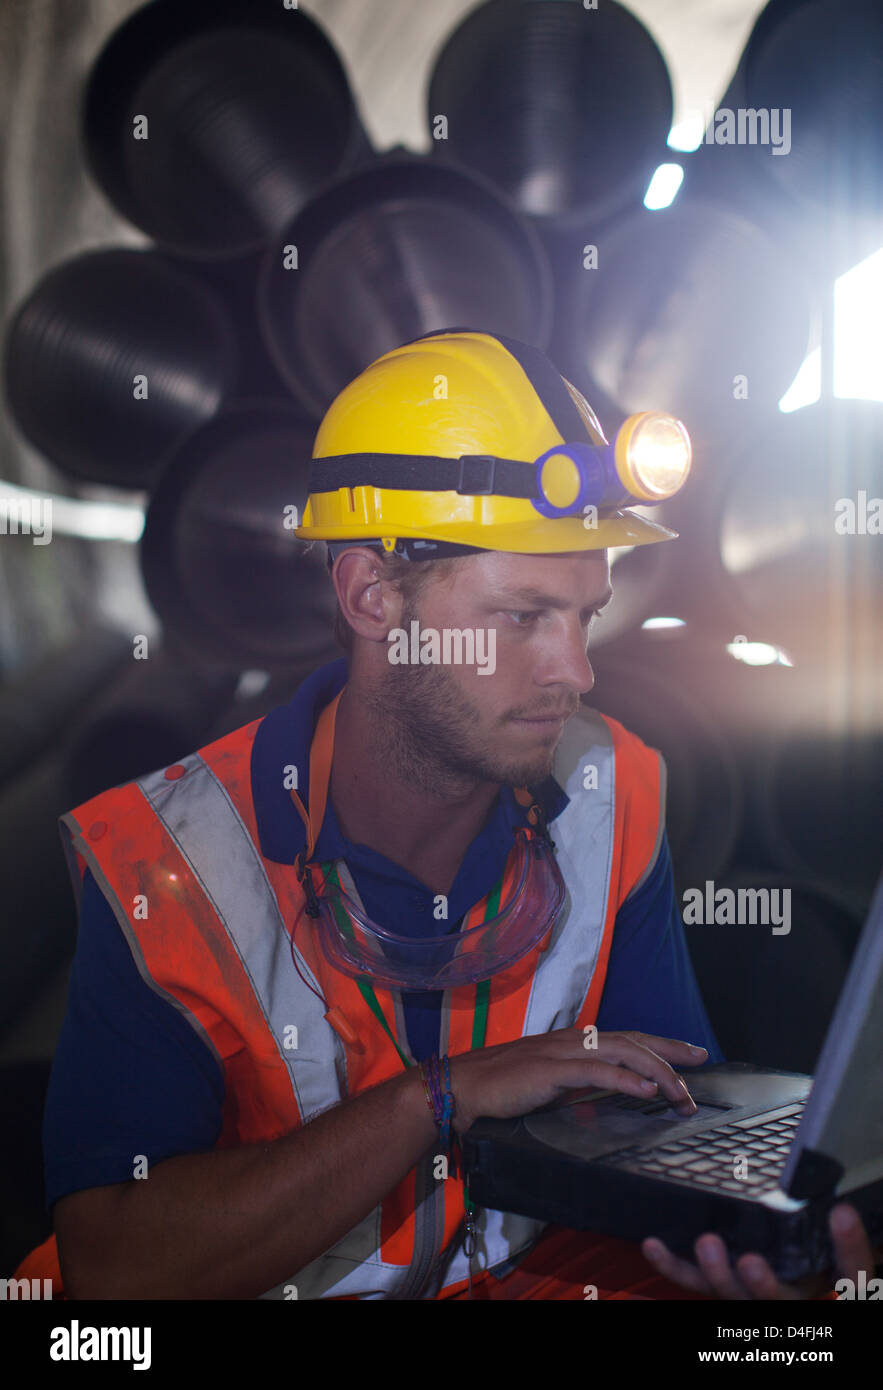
[[130, 1076]]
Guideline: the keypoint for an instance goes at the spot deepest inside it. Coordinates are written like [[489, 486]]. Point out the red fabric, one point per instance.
[[42, 1263], [564, 1262]]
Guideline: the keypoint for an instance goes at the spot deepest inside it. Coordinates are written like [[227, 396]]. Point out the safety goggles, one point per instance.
[[357, 946]]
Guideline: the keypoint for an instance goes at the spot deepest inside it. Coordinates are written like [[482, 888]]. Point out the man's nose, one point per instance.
[[569, 658]]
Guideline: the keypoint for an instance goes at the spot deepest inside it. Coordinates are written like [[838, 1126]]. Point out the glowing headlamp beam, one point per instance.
[[648, 463]]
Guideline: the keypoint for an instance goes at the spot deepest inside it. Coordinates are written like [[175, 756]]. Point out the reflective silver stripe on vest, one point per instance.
[[352, 1266], [583, 836], [494, 1231], [429, 1216], [409, 1282], [198, 814]]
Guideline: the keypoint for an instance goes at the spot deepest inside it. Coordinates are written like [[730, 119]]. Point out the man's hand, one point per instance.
[[514, 1078], [751, 1277]]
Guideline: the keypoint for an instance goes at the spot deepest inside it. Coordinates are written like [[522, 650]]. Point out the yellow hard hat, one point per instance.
[[462, 440]]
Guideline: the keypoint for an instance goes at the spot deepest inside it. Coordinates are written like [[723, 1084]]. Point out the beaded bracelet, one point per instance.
[[447, 1109], [441, 1103]]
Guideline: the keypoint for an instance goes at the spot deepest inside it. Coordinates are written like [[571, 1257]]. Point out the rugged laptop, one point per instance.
[[760, 1163]]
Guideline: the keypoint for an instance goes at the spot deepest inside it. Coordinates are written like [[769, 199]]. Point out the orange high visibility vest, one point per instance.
[[208, 920]]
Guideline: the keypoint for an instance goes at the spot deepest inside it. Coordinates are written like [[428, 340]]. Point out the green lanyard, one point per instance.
[[482, 989]]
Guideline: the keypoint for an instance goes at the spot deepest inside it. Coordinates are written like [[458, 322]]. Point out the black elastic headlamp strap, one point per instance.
[[471, 475]]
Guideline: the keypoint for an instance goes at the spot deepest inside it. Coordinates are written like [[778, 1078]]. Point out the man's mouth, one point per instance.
[[541, 718]]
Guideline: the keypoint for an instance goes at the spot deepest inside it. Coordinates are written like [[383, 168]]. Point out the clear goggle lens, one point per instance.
[[357, 946]]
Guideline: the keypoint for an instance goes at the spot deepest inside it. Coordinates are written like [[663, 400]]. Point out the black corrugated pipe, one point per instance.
[[114, 358], [566, 109], [209, 124], [404, 246], [222, 565]]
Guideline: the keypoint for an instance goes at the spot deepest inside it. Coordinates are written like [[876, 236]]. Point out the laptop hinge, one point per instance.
[[816, 1175]]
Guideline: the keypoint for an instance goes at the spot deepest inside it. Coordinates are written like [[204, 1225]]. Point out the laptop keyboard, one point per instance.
[[755, 1149]]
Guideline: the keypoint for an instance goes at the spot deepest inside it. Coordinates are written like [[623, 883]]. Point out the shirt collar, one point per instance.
[[282, 742]]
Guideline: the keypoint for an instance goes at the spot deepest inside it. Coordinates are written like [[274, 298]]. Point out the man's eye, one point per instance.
[[530, 617]]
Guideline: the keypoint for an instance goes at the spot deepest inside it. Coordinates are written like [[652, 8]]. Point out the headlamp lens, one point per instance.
[[653, 455]]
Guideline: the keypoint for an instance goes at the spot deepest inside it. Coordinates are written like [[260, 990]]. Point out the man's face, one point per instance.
[[537, 611]]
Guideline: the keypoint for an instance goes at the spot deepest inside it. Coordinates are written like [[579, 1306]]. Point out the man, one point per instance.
[[311, 954]]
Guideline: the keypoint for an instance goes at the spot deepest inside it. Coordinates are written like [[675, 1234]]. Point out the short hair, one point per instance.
[[411, 576]]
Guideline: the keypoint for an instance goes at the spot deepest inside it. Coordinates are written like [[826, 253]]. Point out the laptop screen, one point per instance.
[[840, 1137]]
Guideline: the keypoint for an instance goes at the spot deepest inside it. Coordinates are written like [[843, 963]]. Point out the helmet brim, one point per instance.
[[540, 537]]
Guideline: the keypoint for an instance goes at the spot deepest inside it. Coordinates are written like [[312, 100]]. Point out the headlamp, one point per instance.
[[648, 463]]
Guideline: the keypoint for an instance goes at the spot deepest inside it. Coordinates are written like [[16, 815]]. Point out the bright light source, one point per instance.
[[79, 516], [656, 624], [664, 186], [858, 341], [653, 454], [759, 654], [689, 133], [806, 386]]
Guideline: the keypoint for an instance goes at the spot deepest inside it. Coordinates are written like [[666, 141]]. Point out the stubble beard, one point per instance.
[[434, 736]]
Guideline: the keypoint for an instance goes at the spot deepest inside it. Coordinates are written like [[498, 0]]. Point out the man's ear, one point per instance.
[[370, 604]]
